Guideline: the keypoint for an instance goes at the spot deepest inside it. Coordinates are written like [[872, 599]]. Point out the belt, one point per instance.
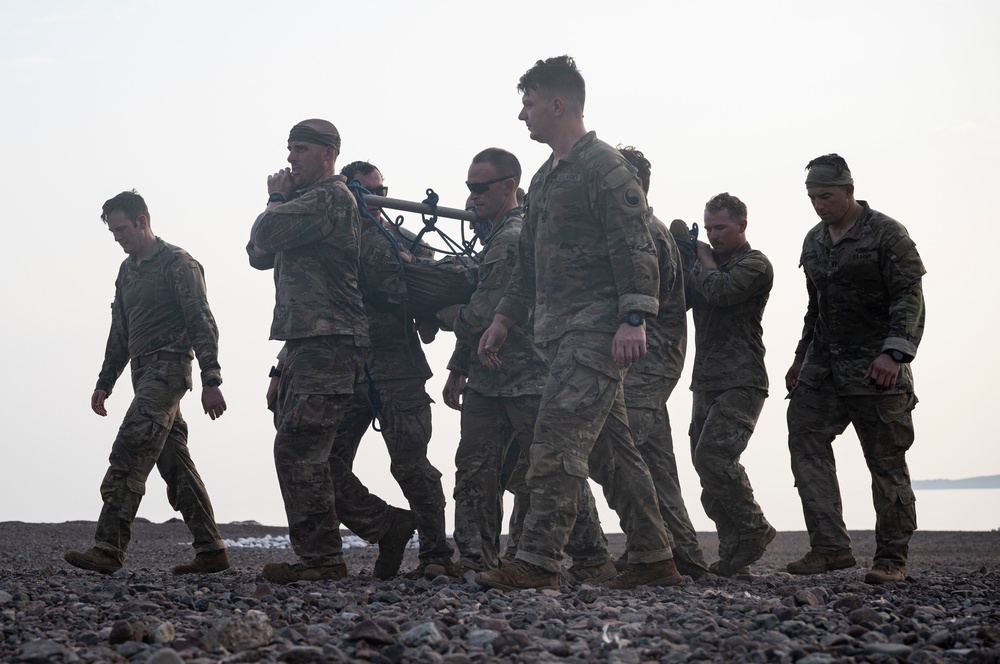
[[159, 356]]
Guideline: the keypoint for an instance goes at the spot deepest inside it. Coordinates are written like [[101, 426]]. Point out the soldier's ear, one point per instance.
[[142, 221]]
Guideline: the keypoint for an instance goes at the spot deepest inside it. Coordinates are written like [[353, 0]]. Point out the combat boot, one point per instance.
[[593, 573], [883, 572], [206, 562], [695, 567], [444, 568], [95, 560], [817, 563], [751, 547], [285, 573], [519, 575], [660, 573], [392, 546], [722, 569]]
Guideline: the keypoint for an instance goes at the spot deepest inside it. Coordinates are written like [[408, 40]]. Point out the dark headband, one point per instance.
[[303, 133], [825, 175]]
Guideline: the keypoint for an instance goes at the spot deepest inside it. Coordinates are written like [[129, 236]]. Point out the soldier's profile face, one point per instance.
[[371, 182], [125, 231], [832, 204], [536, 114], [309, 162], [724, 233], [489, 204]]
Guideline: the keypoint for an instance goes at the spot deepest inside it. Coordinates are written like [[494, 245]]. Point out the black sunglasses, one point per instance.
[[380, 190], [483, 187]]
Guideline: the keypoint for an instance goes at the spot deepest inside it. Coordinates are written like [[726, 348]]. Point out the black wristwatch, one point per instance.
[[895, 354], [275, 372], [633, 318], [277, 197]]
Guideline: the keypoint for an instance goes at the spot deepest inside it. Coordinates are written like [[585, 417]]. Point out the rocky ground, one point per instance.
[[947, 610]]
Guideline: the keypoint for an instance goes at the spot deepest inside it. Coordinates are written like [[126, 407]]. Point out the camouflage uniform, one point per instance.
[[500, 405], [648, 385], [399, 371], [865, 297], [312, 243], [585, 259], [159, 314], [729, 382]]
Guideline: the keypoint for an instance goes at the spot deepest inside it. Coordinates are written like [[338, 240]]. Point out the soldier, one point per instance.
[[159, 315], [649, 383], [730, 283], [501, 404], [862, 327], [587, 268], [399, 371], [309, 235]]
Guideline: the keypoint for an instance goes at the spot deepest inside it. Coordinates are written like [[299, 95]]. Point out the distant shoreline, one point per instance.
[[984, 482]]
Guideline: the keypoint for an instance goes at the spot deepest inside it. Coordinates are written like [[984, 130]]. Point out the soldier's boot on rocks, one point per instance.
[[518, 575], [621, 563], [593, 573], [660, 573], [722, 569], [95, 560], [751, 547], [885, 572], [286, 573], [694, 566], [444, 568], [206, 562], [817, 563], [392, 546]]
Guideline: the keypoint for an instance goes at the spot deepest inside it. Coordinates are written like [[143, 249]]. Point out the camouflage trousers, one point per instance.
[[587, 545], [154, 433], [582, 423], [721, 425], [651, 429], [317, 384], [405, 423], [884, 424]]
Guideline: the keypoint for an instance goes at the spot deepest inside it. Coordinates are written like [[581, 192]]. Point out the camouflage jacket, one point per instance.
[[161, 304], [522, 370], [396, 351], [312, 243], [727, 305], [585, 257], [666, 333], [865, 297]]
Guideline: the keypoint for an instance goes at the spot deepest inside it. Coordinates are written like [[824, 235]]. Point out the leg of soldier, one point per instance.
[[885, 427], [651, 428], [406, 429], [362, 512], [486, 433], [587, 545], [186, 491], [729, 423], [158, 388], [729, 535], [316, 385], [816, 416], [518, 486]]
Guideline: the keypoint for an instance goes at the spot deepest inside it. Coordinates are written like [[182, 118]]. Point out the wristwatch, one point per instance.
[[276, 197], [275, 372], [895, 354], [633, 318]]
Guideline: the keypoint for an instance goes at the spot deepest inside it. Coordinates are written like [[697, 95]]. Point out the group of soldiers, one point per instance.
[[569, 342]]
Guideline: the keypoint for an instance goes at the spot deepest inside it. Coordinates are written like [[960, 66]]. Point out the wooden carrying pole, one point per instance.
[[421, 208]]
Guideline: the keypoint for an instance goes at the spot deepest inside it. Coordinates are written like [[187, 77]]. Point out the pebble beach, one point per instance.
[[947, 609]]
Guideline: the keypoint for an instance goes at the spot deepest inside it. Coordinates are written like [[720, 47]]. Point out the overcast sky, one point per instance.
[[191, 102]]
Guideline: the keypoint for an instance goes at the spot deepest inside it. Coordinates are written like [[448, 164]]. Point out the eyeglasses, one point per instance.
[[380, 190], [483, 187]]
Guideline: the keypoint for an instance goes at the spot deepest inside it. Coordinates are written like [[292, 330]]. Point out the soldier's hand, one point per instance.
[[426, 329], [448, 315], [882, 373], [97, 402], [453, 390], [212, 401], [792, 375], [629, 344], [492, 339], [281, 183]]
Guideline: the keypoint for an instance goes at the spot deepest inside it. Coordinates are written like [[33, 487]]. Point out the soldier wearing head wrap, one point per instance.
[[862, 327], [587, 269], [160, 314], [730, 283]]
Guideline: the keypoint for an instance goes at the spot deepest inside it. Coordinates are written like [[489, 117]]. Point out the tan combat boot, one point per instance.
[[95, 560], [206, 562], [660, 573], [519, 575]]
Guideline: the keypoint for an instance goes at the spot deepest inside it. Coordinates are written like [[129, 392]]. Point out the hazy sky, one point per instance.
[[191, 103]]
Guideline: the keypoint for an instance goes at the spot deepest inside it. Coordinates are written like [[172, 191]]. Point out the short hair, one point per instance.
[[833, 159], [725, 201], [557, 77], [355, 168], [504, 162], [129, 202], [641, 164]]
